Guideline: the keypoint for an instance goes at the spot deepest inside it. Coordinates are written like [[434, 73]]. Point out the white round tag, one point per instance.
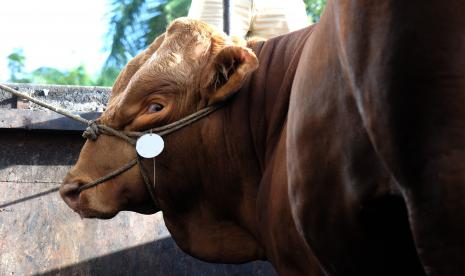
[[149, 145]]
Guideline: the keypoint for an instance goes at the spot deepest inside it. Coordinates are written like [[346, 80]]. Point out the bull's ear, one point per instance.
[[231, 66]]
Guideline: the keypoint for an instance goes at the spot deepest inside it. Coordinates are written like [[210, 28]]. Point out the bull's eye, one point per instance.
[[154, 107]]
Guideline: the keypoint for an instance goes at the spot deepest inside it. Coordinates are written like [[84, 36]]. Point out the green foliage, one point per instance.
[[76, 76], [135, 24], [107, 76], [48, 75], [125, 31], [162, 15], [16, 66], [315, 8]]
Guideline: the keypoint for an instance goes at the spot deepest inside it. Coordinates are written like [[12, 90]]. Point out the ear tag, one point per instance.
[[150, 145]]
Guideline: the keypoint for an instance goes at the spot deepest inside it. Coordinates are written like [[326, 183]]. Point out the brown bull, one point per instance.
[[343, 153]]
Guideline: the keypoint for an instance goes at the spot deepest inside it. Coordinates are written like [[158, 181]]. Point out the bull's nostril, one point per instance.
[[69, 191]]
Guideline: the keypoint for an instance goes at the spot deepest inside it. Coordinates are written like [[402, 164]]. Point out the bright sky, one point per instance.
[[54, 33]]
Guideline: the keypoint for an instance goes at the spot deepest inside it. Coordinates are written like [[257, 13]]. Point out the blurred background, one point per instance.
[[84, 42]]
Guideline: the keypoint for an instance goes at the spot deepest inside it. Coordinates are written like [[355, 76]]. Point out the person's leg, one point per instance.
[[211, 12]]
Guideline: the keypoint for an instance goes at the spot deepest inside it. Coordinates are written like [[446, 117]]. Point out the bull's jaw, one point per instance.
[[207, 240], [79, 203]]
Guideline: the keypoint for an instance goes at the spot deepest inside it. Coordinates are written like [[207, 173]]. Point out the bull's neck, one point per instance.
[[259, 115], [226, 172], [268, 90]]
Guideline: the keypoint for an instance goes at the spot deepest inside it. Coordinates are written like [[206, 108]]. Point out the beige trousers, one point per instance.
[[253, 18]]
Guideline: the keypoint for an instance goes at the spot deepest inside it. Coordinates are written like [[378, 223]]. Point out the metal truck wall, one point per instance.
[[40, 235]]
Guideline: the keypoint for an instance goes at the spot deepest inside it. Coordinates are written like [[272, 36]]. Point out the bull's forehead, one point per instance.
[[187, 45], [175, 63], [192, 38], [185, 40]]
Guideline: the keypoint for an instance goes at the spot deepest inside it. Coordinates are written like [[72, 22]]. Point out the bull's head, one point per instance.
[[188, 68]]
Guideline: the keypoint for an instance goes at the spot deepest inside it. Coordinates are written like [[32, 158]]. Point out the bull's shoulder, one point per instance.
[[286, 47]]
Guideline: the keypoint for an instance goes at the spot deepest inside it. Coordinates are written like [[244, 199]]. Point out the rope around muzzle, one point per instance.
[[94, 129]]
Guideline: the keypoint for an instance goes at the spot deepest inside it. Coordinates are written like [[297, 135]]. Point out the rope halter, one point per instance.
[[94, 129], [91, 132]]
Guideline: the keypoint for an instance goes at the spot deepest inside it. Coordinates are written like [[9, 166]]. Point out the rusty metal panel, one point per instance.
[[40, 235], [37, 156]]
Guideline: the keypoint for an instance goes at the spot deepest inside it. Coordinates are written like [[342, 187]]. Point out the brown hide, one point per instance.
[[376, 139]]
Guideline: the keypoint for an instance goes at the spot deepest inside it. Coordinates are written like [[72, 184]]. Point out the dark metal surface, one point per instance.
[[38, 119]]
